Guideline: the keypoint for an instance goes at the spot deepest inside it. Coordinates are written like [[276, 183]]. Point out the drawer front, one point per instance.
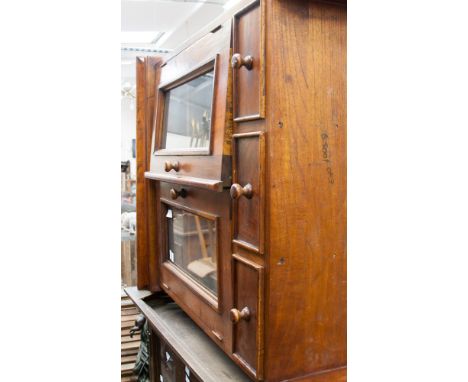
[[248, 79], [248, 174], [247, 315]]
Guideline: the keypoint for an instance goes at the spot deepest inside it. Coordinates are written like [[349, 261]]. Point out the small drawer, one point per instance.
[[194, 197], [247, 315], [248, 64], [247, 190]]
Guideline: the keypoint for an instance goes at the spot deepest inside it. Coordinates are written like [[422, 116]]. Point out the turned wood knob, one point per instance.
[[237, 191], [175, 194], [168, 166], [238, 61], [236, 316]]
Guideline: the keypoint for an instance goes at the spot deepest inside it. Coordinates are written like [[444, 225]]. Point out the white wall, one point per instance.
[[128, 116]]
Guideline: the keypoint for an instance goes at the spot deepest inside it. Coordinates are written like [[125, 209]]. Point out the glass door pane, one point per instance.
[[193, 246], [187, 114]]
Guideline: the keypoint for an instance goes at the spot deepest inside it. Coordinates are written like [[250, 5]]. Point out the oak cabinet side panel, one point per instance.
[[306, 188]]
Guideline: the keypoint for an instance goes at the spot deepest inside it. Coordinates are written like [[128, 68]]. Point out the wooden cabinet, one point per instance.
[[243, 182]]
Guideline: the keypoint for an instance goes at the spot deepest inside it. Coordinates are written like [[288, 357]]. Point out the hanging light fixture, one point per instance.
[[128, 91]]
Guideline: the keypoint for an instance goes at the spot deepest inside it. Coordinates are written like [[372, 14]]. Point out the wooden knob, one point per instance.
[[236, 316], [175, 194], [168, 166], [237, 191], [238, 61]]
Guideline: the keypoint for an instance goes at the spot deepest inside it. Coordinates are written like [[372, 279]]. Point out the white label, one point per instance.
[[187, 379], [169, 214], [161, 378], [187, 371], [171, 255]]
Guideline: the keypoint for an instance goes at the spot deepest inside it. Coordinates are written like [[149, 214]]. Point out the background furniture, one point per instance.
[[129, 345]]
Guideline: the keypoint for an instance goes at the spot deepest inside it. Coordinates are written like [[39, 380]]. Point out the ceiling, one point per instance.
[[164, 24], [150, 27]]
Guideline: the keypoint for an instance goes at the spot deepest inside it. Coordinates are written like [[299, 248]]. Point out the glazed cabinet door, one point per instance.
[[195, 237], [193, 124]]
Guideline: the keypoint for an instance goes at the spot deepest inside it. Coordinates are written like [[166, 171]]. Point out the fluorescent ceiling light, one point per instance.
[[139, 37]]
